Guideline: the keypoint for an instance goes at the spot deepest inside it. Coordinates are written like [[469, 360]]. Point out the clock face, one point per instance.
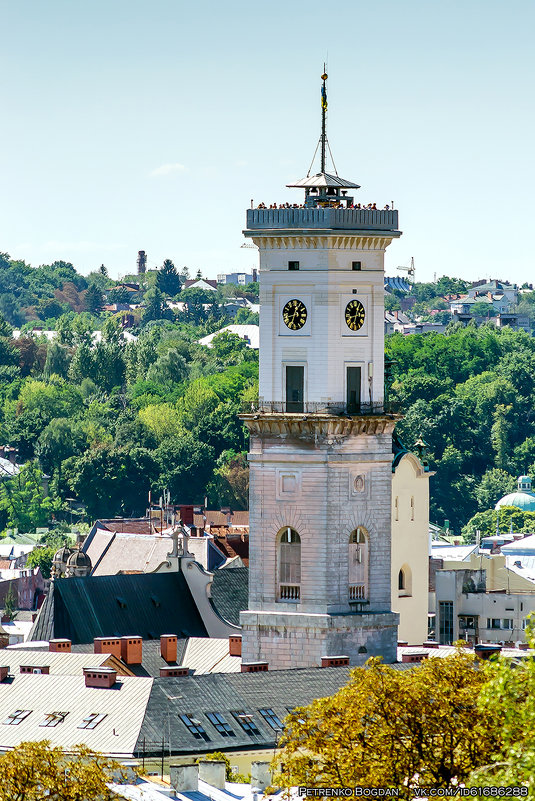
[[355, 315], [294, 314]]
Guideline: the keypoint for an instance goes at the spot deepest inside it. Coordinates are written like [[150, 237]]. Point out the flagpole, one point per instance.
[[323, 118]]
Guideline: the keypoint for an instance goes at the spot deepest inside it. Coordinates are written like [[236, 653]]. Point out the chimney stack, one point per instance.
[[253, 667], [100, 677], [132, 650], [334, 661], [107, 645], [260, 775], [184, 778], [212, 772], [60, 646], [168, 647], [167, 672], [234, 645]]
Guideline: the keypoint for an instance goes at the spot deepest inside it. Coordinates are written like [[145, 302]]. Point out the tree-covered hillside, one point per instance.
[[470, 394]]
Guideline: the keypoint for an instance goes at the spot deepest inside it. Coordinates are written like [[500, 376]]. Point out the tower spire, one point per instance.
[[323, 118]]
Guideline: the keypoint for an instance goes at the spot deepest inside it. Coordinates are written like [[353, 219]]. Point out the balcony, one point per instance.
[[357, 593], [332, 409], [289, 592], [366, 220]]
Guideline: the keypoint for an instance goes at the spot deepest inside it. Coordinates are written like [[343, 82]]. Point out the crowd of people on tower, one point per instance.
[[328, 204]]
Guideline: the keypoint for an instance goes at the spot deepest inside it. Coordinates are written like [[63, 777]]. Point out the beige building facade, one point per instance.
[[410, 547]]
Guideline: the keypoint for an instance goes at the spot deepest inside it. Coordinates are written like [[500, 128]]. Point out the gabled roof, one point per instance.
[[324, 179], [146, 605], [230, 592]]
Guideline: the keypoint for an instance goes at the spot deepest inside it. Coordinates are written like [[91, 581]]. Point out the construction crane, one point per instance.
[[409, 270]]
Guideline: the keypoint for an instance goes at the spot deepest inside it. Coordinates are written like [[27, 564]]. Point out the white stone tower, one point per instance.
[[321, 441]]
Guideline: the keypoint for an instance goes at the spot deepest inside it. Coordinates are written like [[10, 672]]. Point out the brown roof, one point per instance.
[[130, 525], [234, 545], [218, 518]]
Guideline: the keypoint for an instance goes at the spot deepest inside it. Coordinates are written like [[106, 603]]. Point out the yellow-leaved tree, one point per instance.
[[35, 771], [392, 727]]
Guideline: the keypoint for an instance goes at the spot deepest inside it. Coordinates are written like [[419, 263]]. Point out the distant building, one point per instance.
[[201, 283], [249, 333], [523, 498], [241, 279]]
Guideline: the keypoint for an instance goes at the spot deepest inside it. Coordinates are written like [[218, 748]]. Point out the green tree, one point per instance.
[[57, 361], [93, 300], [494, 484], [42, 557], [155, 307], [60, 439], [168, 368], [186, 467], [24, 503], [168, 280], [230, 485]]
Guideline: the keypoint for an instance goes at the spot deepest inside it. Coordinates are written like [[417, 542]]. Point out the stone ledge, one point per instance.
[[296, 620]]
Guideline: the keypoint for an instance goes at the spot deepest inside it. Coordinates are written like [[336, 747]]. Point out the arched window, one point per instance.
[[289, 564], [358, 564], [405, 581]]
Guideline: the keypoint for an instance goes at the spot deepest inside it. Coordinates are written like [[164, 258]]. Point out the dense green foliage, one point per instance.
[[105, 419], [470, 394]]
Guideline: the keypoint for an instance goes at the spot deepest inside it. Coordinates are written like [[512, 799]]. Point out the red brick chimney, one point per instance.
[[234, 645], [100, 677], [334, 661], [415, 656], [174, 671], [4, 672], [168, 647], [60, 646], [35, 669], [132, 650], [107, 645], [253, 667]]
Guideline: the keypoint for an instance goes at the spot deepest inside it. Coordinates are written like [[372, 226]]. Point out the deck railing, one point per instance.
[[306, 218]]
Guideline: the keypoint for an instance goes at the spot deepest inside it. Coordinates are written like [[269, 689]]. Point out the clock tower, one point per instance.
[[320, 437]]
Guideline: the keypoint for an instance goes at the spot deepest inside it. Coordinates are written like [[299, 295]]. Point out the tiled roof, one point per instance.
[[234, 545], [213, 517], [230, 592], [146, 605], [227, 692], [123, 707]]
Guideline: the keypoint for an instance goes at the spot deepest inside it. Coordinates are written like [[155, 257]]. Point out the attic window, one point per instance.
[[271, 718], [220, 724], [54, 718], [155, 600], [17, 717], [194, 727], [121, 602], [91, 721], [246, 722]]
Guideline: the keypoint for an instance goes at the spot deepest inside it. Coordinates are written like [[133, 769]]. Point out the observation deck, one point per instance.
[[302, 220]]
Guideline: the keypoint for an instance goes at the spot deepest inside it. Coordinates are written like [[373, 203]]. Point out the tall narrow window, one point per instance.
[[405, 581], [289, 548], [358, 565], [295, 383], [353, 390], [412, 507]]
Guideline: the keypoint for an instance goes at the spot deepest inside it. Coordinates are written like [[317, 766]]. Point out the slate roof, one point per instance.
[[279, 690], [230, 592], [146, 605]]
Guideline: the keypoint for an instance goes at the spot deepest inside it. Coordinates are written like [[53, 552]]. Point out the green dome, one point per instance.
[[522, 500]]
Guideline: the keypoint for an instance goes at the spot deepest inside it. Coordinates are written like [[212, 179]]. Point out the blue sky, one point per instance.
[[137, 124]]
